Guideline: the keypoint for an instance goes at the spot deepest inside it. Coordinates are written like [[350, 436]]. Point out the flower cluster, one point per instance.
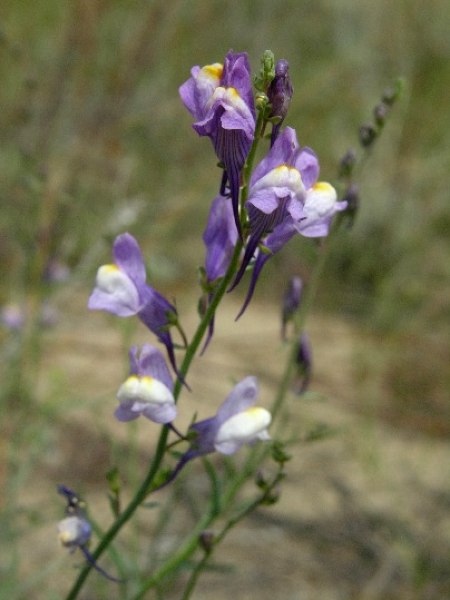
[[284, 195]]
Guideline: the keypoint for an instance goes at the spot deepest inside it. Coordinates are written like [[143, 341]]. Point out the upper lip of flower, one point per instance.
[[283, 176]]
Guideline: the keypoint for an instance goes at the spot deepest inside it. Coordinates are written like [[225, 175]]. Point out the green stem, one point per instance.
[[192, 582], [142, 491]]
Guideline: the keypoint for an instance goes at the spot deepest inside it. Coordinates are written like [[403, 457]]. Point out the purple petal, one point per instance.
[[188, 95], [128, 257], [282, 152], [134, 360], [114, 293], [152, 363], [241, 397], [156, 311], [267, 199], [125, 414], [236, 73], [220, 237], [206, 432], [275, 241], [307, 163]]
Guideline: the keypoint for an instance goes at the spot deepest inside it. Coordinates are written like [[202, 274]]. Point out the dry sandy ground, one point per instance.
[[363, 514]]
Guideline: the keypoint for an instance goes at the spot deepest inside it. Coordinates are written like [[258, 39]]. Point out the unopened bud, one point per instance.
[[291, 302], [380, 113], [352, 198], [367, 135], [280, 93], [347, 163], [392, 93], [206, 539], [267, 71], [303, 363]]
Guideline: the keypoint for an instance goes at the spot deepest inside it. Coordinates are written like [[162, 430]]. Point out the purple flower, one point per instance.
[[237, 422], [279, 93], [220, 237], [148, 389], [284, 199], [220, 98], [12, 316], [121, 289]]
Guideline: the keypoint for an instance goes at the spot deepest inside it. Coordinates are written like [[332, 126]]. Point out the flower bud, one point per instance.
[[392, 93], [380, 113], [347, 163], [291, 302], [206, 540], [280, 93], [367, 135], [303, 363], [266, 73], [352, 198]]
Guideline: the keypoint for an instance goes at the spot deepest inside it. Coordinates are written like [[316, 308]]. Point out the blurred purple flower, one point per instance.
[[74, 531], [220, 98], [285, 198], [121, 289], [148, 389], [12, 316], [291, 302], [303, 363]]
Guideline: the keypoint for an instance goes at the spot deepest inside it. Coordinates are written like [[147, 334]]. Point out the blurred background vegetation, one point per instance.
[[95, 141]]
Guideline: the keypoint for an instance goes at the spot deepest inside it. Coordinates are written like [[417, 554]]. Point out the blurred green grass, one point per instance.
[[96, 141], [91, 119]]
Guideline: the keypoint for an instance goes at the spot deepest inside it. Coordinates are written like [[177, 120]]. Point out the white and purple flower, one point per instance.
[[148, 390], [220, 98], [237, 422], [285, 198], [121, 289]]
